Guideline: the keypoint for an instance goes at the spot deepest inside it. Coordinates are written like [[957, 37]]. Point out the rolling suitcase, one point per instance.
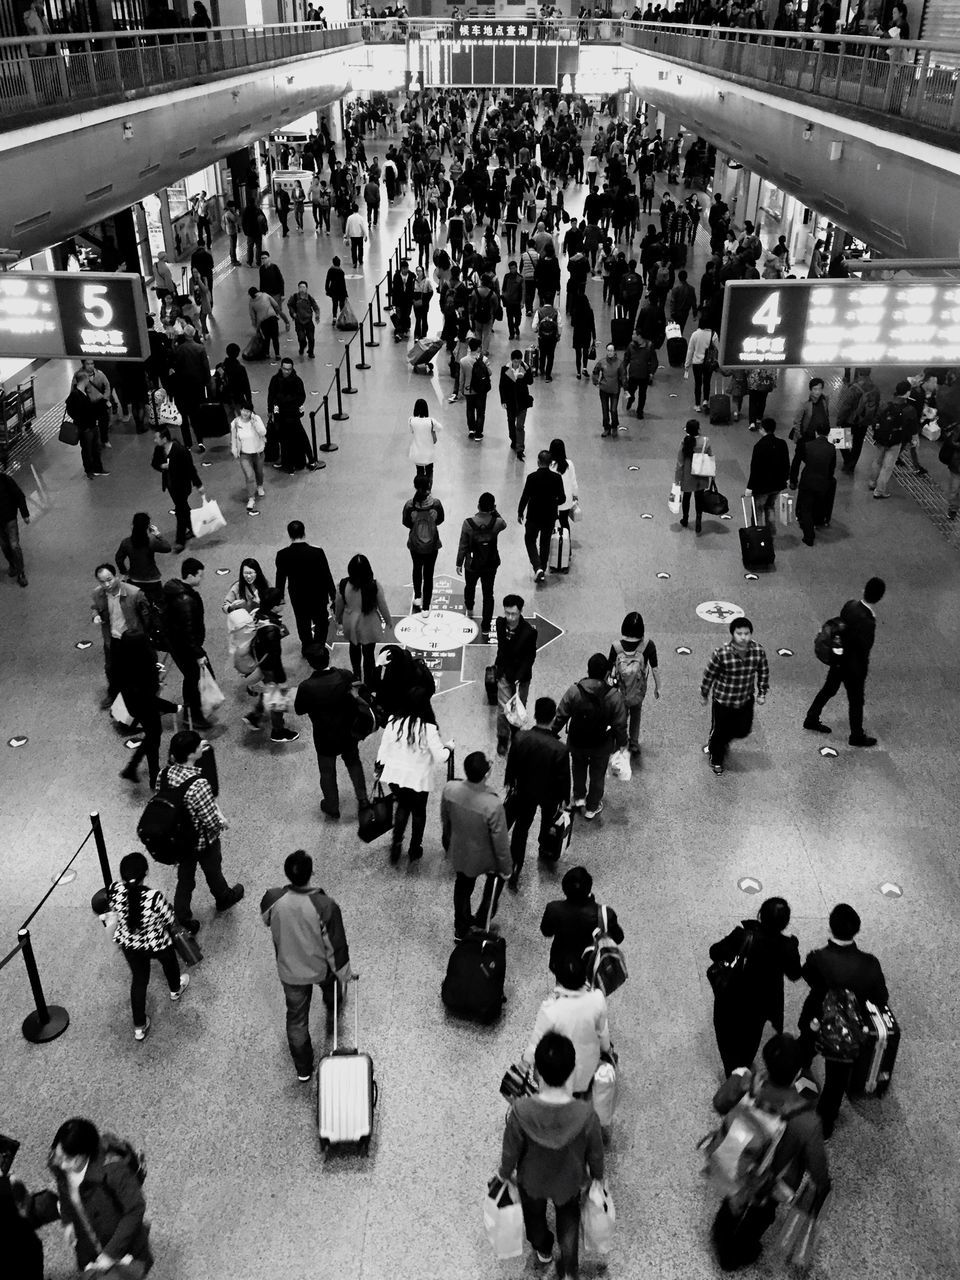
[[756, 541], [560, 550], [531, 358], [421, 354], [676, 350], [476, 972], [620, 332], [346, 1089], [209, 420], [719, 410], [490, 684], [873, 1069], [557, 839]]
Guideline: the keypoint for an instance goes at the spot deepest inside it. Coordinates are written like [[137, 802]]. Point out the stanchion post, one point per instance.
[[101, 849], [47, 1021], [327, 447], [380, 323], [349, 389], [313, 439], [371, 340], [339, 416], [362, 362]]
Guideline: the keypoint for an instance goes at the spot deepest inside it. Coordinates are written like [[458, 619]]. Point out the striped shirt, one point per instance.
[[157, 919]]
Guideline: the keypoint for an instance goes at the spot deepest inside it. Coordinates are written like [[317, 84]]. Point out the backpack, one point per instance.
[[423, 529], [441, 259], [828, 640], [116, 1150], [482, 307], [165, 828], [842, 1032], [364, 716], [483, 546], [589, 728], [888, 430], [752, 247], [663, 277], [547, 328], [480, 379], [606, 967], [629, 675], [739, 1154]]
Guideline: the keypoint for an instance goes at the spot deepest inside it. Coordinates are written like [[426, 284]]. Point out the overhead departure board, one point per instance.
[[840, 322], [499, 53], [56, 314]]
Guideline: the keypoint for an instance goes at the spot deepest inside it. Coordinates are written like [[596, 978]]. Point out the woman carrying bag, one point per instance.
[[361, 609], [702, 358], [248, 443], [422, 293], [561, 464], [410, 748], [691, 475], [265, 652], [145, 926], [136, 557], [583, 327], [423, 446]]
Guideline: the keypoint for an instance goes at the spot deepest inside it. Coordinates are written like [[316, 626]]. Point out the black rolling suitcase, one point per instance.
[[756, 541], [873, 1069], [676, 352], [720, 411], [620, 332], [476, 972], [490, 684]]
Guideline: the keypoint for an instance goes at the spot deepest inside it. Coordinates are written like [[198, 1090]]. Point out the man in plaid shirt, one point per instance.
[[203, 850], [732, 673]]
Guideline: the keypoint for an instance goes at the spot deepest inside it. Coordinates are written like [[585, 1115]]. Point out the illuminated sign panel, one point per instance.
[[513, 31], [840, 322], [57, 314]]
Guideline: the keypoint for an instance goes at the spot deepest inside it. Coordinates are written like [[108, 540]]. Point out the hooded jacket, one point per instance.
[[581, 1016], [551, 1146]]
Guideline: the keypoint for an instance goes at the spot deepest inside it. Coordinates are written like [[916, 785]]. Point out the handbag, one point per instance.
[[490, 684], [503, 1219], [210, 695], [713, 502], [620, 767], [515, 712], [592, 353], [703, 463], [605, 1085], [119, 712], [518, 1082], [798, 1229], [207, 518], [376, 818], [346, 319], [673, 502], [597, 1219], [510, 806], [785, 508], [724, 975], [576, 511], [840, 437], [186, 946], [69, 432]]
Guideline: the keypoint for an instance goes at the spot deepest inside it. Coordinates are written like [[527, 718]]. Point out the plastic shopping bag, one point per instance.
[[346, 319], [503, 1219], [210, 695], [673, 502], [620, 765], [119, 712], [207, 518], [605, 1091], [597, 1219], [515, 711]]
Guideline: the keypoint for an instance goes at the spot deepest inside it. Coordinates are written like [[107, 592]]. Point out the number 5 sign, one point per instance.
[[72, 314]]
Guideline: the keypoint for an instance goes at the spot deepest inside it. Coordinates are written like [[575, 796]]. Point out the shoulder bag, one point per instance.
[[703, 463]]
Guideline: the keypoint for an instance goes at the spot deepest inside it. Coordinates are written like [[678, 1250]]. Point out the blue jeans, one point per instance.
[[298, 1020]]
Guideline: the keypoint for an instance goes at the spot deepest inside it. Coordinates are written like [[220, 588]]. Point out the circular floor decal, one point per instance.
[[748, 884], [891, 890], [719, 611], [436, 630]]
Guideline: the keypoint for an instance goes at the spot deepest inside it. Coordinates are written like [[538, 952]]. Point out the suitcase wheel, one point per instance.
[[363, 1146], [324, 1144]]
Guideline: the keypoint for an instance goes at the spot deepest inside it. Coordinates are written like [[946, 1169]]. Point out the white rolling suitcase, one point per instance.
[[346, 1089]]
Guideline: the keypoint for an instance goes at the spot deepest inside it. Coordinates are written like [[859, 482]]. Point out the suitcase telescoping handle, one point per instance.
[[354, 977], [747, 521]]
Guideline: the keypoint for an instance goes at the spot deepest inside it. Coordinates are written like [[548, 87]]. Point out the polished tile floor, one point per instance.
[[237, 1186]]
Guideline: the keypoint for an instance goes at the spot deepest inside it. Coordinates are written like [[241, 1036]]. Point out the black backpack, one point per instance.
[[483, 546], [889, 429], [165, 828], [483, 307], [480, 379], [828, 642], [588, 728]]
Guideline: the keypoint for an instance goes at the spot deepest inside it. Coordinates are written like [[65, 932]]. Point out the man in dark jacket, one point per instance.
[[840, 965], [401, 299], [326, 697], [851, 664], [122, 611], [762, 956], [640, 363], [178, 474], [271, 283], [191, 385], [312, 589], [817, 484], [12, 503], [515, 380], [571, 920], [682, 300], [516, 654], [538, 775], [478, 558], [542, 495], [598, 721], [186, 634], [252, 224], [286, 396], [769, 472], [814, 411]]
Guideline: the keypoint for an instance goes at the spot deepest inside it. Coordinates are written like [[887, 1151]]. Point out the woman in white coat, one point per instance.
[[425, 431], [410, 749], [561, 464]]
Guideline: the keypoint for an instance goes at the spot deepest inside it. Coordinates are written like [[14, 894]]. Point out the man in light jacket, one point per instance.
[[607, 378], [311, 949], [474, 833], [575, 1011]]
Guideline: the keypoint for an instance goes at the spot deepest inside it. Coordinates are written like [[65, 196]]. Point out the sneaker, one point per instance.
[[260, 491], [95, 474], [485, 635], [305, 1079], [285, 735], [539, 576], [201, 448], [232, 898], [252, 510], [717, 769], [878, 496], [107, 444], [544, 1258], [141, 1033], [471, 435], [862, 741], [452, 399], [590, 814], [817, 726], [579, 804], [513, 884], [330, 813], [184, 983]]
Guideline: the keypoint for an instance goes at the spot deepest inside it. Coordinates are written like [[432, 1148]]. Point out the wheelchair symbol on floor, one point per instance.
[[719, 611]]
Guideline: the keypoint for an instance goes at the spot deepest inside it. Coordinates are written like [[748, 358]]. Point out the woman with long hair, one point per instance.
[[136, 556], [561, 464], [422, 293], [361, 609], [422, 514], [425, 431], [145, 922], [265, 651], [410, 748], [583, 328], [248, 443], [249, 589], [692, 442]]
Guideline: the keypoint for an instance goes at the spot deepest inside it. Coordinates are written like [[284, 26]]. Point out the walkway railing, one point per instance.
[[42, 78]]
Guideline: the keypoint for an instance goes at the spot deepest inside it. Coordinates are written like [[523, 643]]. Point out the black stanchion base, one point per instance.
[[348, 391], [330, 448], [38, 1032], [362, 365], [338, 417], [371, 343], [378, 324]]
